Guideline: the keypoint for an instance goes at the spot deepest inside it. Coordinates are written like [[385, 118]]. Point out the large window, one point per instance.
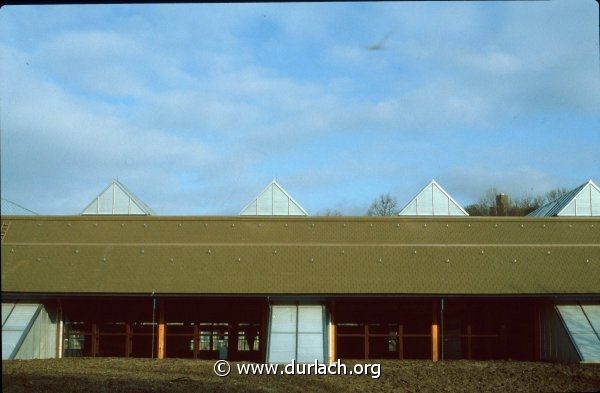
[[297, 332]]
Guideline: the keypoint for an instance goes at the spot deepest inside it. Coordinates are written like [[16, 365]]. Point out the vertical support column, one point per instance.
[[469, 342], [332, 333], [400, 342], [196, 340], [537, 326], [264, 330], [232, 341], [435, 331], [161, 336], [95, 340], [128, 340], [366, 340], [59, 330]]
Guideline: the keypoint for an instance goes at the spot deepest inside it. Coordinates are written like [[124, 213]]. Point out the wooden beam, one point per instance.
[[196, 340], [469, 342], [95, 339], [128, 340], [435, 331], [59, 330], [366, 340], [536, 333], [161, 342], [264, 330], [400, 342], [332, 333]]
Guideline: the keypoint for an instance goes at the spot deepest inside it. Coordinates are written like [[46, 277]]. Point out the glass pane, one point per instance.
[[283, 319], [310, 347], [282, 347], [310, 319]]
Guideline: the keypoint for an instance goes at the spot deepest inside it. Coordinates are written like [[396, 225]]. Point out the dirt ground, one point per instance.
[[95, 375]]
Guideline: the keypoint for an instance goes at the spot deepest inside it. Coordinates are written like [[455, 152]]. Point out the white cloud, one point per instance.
[[224, 98]]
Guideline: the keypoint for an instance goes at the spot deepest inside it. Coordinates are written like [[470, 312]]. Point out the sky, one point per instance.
[[197, 107]]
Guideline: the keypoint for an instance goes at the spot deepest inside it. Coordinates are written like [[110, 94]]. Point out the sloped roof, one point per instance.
[[117, 199], [433, 200], [301, 255], [581, 201], [273, 200], [11, 208]]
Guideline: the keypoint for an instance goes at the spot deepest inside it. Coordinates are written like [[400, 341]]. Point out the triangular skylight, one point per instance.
[[273, 201], [581, 201], [10, 208], [116, 199], [433, 200]]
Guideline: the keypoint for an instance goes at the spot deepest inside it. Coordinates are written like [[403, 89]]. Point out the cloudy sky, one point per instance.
[[195, 108]]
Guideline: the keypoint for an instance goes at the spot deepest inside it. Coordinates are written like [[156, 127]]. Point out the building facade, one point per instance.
[[274, 284], [281, 288]]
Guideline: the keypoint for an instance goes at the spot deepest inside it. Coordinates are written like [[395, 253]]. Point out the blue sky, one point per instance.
[[195, 108]]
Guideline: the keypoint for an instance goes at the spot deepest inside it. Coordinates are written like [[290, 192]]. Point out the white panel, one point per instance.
[[250, 210], [106, 201], [9, 341], [311, 330], [6, 309], [280, 202], [574, 318], [568, 210], [310, 347], [282, 347], [595, 202], [578, 325], [20, 317], [455, 210], [583, 202], [424, 201], [265, 202], [308, 332], [588, 344], [121, 201], [295, 210], [410, 209], [282, 335], [283, 319], [592, 312], [92, 208], [135, 209], [273, 200], [310, 319], [440, 202]]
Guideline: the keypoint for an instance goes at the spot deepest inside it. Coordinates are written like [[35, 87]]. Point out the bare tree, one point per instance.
[[384, 205], [330, 212], [485, 205], [525, 205], [554, 194]]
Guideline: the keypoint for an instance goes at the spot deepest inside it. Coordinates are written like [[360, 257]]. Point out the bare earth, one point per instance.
[[91, 375]]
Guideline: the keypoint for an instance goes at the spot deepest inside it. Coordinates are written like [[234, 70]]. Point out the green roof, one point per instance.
[[301, 255]]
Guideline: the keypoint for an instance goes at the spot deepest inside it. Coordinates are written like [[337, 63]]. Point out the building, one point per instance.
[[273, 200], [275, 288], [433, 200], [116, 199], [581, 201]]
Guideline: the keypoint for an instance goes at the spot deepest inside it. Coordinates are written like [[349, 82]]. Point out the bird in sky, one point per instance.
[[381, 43]]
